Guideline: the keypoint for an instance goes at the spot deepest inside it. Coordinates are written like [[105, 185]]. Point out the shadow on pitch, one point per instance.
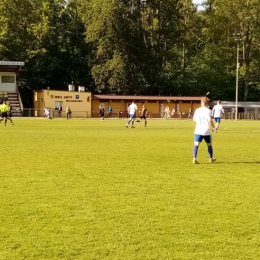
[[241, 162]]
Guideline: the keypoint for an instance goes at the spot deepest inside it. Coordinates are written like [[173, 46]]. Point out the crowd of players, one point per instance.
[[203, 118], [131, 112]]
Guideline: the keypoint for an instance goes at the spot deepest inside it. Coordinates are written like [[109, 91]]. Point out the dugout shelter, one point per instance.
[[155, 104]]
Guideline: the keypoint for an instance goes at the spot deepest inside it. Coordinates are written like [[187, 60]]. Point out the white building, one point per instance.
[[8, 84]]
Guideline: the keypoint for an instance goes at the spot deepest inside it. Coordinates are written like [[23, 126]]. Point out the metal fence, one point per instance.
[[242, 116], [38, 113]]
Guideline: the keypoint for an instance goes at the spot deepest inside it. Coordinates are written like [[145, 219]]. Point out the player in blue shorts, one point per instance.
[[132, 111], [217, 111], [202, 118]]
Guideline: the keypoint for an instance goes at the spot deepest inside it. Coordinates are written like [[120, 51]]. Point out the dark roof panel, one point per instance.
[[10, 66], [155, 98]]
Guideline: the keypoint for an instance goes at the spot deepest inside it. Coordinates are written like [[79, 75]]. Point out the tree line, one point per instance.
[[137, 47]]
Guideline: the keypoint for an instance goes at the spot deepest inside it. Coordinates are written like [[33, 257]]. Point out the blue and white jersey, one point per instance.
[[202, 118]]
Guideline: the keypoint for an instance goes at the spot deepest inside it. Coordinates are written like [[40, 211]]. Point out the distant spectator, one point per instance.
[[68, 112], [128, 110], [190, 113], [167, 112], [109, 111], [233, 112], [173, 113], [60, 111]]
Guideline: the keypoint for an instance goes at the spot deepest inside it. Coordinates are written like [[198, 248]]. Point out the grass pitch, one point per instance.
[[83, 189]]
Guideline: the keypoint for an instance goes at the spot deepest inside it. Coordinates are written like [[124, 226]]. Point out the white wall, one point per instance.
[[7, 87]]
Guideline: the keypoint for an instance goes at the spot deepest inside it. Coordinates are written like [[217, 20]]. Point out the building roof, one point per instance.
[[10, 66], [240, 104], [155, 98]]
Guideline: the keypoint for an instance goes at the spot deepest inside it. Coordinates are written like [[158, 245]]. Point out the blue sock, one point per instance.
[[133, 122], [195, 151], [210, 151]]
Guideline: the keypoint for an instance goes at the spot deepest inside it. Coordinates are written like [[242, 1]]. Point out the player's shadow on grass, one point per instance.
[[241, 162]]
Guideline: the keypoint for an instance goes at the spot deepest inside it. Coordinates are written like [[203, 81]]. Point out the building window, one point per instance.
[[58, 105], [8, 79]]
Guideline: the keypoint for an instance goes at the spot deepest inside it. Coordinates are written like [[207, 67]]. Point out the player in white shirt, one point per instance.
[[217, 111], [47, 113], [132, 110], [202, 118]]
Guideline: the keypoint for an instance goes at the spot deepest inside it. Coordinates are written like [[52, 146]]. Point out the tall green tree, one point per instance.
[[132, 43], [49, 36], [239, 16]]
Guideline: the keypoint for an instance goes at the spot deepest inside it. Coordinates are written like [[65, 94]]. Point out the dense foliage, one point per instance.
[[152, 47]]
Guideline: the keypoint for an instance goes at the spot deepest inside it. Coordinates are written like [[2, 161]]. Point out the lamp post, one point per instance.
[[238, 38]]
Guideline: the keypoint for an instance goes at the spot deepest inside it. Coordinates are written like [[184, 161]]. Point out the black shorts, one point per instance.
[[143, 117], [4, 114], [102, 115]]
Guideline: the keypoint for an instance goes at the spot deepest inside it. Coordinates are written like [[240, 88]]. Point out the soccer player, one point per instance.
[[4, 109], [202, 118], [217, 111], [102, 112], [9, 113], [143, 114], [132, 110], [47, 113]]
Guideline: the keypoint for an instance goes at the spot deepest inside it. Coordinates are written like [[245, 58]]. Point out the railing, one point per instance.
[[20, 100], [242, 116], [31, 112]]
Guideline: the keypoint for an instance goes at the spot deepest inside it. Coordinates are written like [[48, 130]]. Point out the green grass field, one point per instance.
[[83, 189]]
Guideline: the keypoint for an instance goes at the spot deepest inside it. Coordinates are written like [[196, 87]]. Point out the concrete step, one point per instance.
[[14, 102]]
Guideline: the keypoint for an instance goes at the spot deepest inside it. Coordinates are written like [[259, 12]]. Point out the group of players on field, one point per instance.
[[6, 112], [131, 111], [203, 118]]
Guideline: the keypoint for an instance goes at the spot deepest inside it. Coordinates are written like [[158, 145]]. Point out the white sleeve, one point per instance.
[[210, 114], [195, 116]]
